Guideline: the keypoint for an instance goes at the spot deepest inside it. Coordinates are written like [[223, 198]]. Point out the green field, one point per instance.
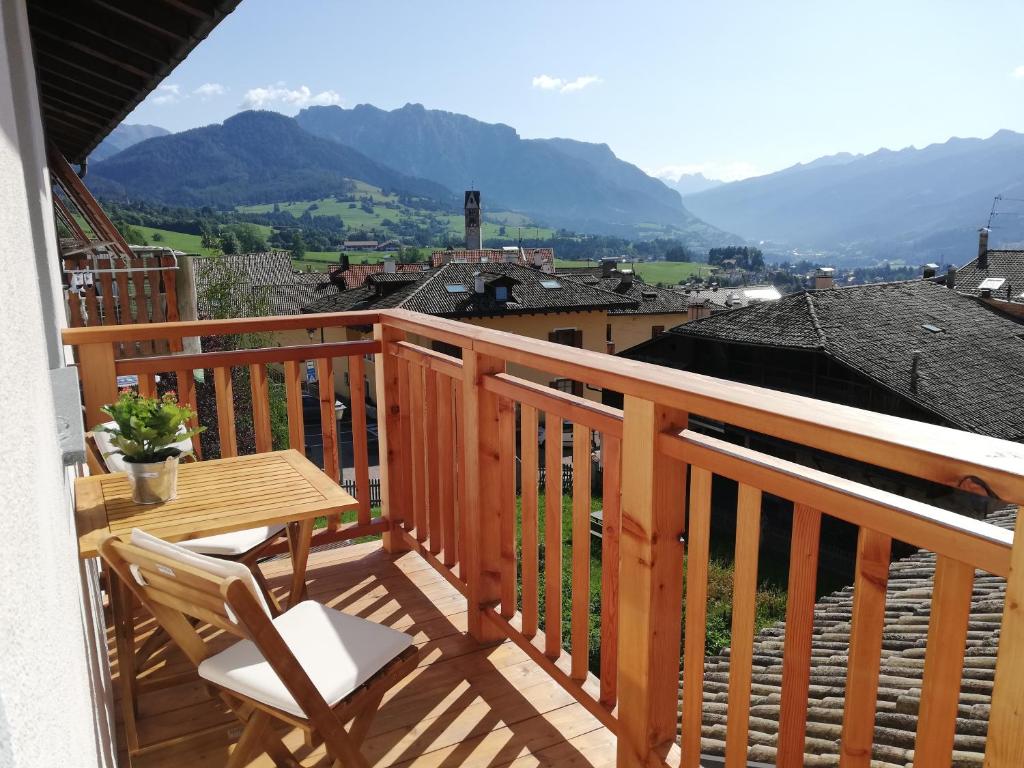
[[179, 241]]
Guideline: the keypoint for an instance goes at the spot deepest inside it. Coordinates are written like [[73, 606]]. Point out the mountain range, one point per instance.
[[124, 136], [691, 183], [263, 157], [912, 203]]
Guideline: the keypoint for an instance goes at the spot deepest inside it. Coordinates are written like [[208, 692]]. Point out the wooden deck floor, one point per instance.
[[466, 705]]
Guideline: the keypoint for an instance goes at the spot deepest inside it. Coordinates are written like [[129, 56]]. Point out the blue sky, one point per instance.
[[731, 88]]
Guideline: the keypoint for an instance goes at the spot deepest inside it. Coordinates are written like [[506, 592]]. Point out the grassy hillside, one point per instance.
[[668, 272], [368, 208]]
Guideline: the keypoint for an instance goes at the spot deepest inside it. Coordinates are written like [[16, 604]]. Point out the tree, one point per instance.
[[410, 255], [250, 238], [208, 235], [228, 243], [157, 237], [298, 245], [679, 253]]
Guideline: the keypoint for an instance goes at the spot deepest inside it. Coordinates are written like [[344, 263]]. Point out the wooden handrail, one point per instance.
[[228, 358], [975, 542]]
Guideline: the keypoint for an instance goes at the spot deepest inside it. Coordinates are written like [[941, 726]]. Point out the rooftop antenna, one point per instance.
[[992, 214]]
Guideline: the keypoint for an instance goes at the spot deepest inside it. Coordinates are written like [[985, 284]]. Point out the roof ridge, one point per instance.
[[598, 289], [423, 284], [814, 320]]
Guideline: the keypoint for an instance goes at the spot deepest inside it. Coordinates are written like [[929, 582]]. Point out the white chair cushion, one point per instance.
[[338, 651], [115, 461], [224, 569], [233, 543]]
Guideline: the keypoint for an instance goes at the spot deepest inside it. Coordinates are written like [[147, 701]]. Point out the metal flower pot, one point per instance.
[[153, 482]]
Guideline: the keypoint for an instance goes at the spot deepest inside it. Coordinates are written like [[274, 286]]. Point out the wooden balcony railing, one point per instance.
[[449, 430]]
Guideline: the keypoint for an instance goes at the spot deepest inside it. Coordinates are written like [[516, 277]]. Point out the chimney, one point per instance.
[[607, 267], [915, 362], [478, 282], [824, 278], [343, 261], [538, 258], [390, 267], [951, 277], [983, 248], [929, 270], [626, 277], [471, 210], [698, 311]]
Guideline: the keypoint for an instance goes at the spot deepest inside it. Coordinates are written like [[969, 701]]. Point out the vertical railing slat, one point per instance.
[[748, 537], [141, 308], [461, 517], [293, 371], [697, 542], [444, 449], [260, 407], [870, 581], [528, 494], [124, 310], [328, 418], [147, 385], [417, 461], [552, 536], [580, 622], [404, 423], [431, 460], [225, 411], [796, 655], [360, 448], [611, 457], [943, 662], [506, 507], [1005, 746]]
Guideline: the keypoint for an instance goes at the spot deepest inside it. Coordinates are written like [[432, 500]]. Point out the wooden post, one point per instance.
[[1005, 747], [651, 582], [482, 477], [394, 504], [99, 380]]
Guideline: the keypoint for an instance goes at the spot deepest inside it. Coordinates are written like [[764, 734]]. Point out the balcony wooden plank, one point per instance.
[[225, 412], [611, 525], [446, 469], [697, 542], [432, 461], [260, 407], [506, 506]]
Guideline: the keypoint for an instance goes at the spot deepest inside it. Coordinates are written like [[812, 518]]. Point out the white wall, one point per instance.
[[53, 703]]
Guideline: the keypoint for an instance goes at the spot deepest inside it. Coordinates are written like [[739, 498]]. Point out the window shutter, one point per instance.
[[577, 339]]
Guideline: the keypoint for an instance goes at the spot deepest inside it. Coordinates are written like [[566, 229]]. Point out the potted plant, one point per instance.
[[149, 433]]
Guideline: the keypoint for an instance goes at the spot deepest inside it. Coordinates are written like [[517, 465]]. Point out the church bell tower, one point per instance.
[[474, 241]]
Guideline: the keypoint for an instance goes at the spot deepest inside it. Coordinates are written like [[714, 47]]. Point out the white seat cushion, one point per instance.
[[224, 569], [338, 651], [233, 543], [115, 461]]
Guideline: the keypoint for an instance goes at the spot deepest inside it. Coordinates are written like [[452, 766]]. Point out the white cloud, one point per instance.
[[166, 94], [1019, 72], [258, 98], [209, 90], [549, 83], [732, 170]]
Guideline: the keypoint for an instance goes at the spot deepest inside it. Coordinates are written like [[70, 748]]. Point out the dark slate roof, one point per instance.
[[904, 640], [1005, 264], [258, 277], [357, 274], [724, 297], [970, 372], [430, 295], [650, 299]]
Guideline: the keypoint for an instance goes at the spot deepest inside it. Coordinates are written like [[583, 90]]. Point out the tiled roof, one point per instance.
[[970, 369], [356, 274], [431, 294], [1008, 265], [524, 256], [723, 297], [904, 640]]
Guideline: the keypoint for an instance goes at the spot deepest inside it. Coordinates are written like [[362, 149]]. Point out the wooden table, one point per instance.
[[214, 497]]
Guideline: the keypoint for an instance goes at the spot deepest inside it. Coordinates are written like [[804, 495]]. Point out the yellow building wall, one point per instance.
[[630, 330]]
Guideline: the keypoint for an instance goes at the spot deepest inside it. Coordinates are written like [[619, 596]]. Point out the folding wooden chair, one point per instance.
[[312, 667]]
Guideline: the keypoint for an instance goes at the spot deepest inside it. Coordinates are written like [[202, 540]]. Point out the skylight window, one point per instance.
[[932, 328], [500, 293], [992, 283], [550, 284], [456, 288]]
